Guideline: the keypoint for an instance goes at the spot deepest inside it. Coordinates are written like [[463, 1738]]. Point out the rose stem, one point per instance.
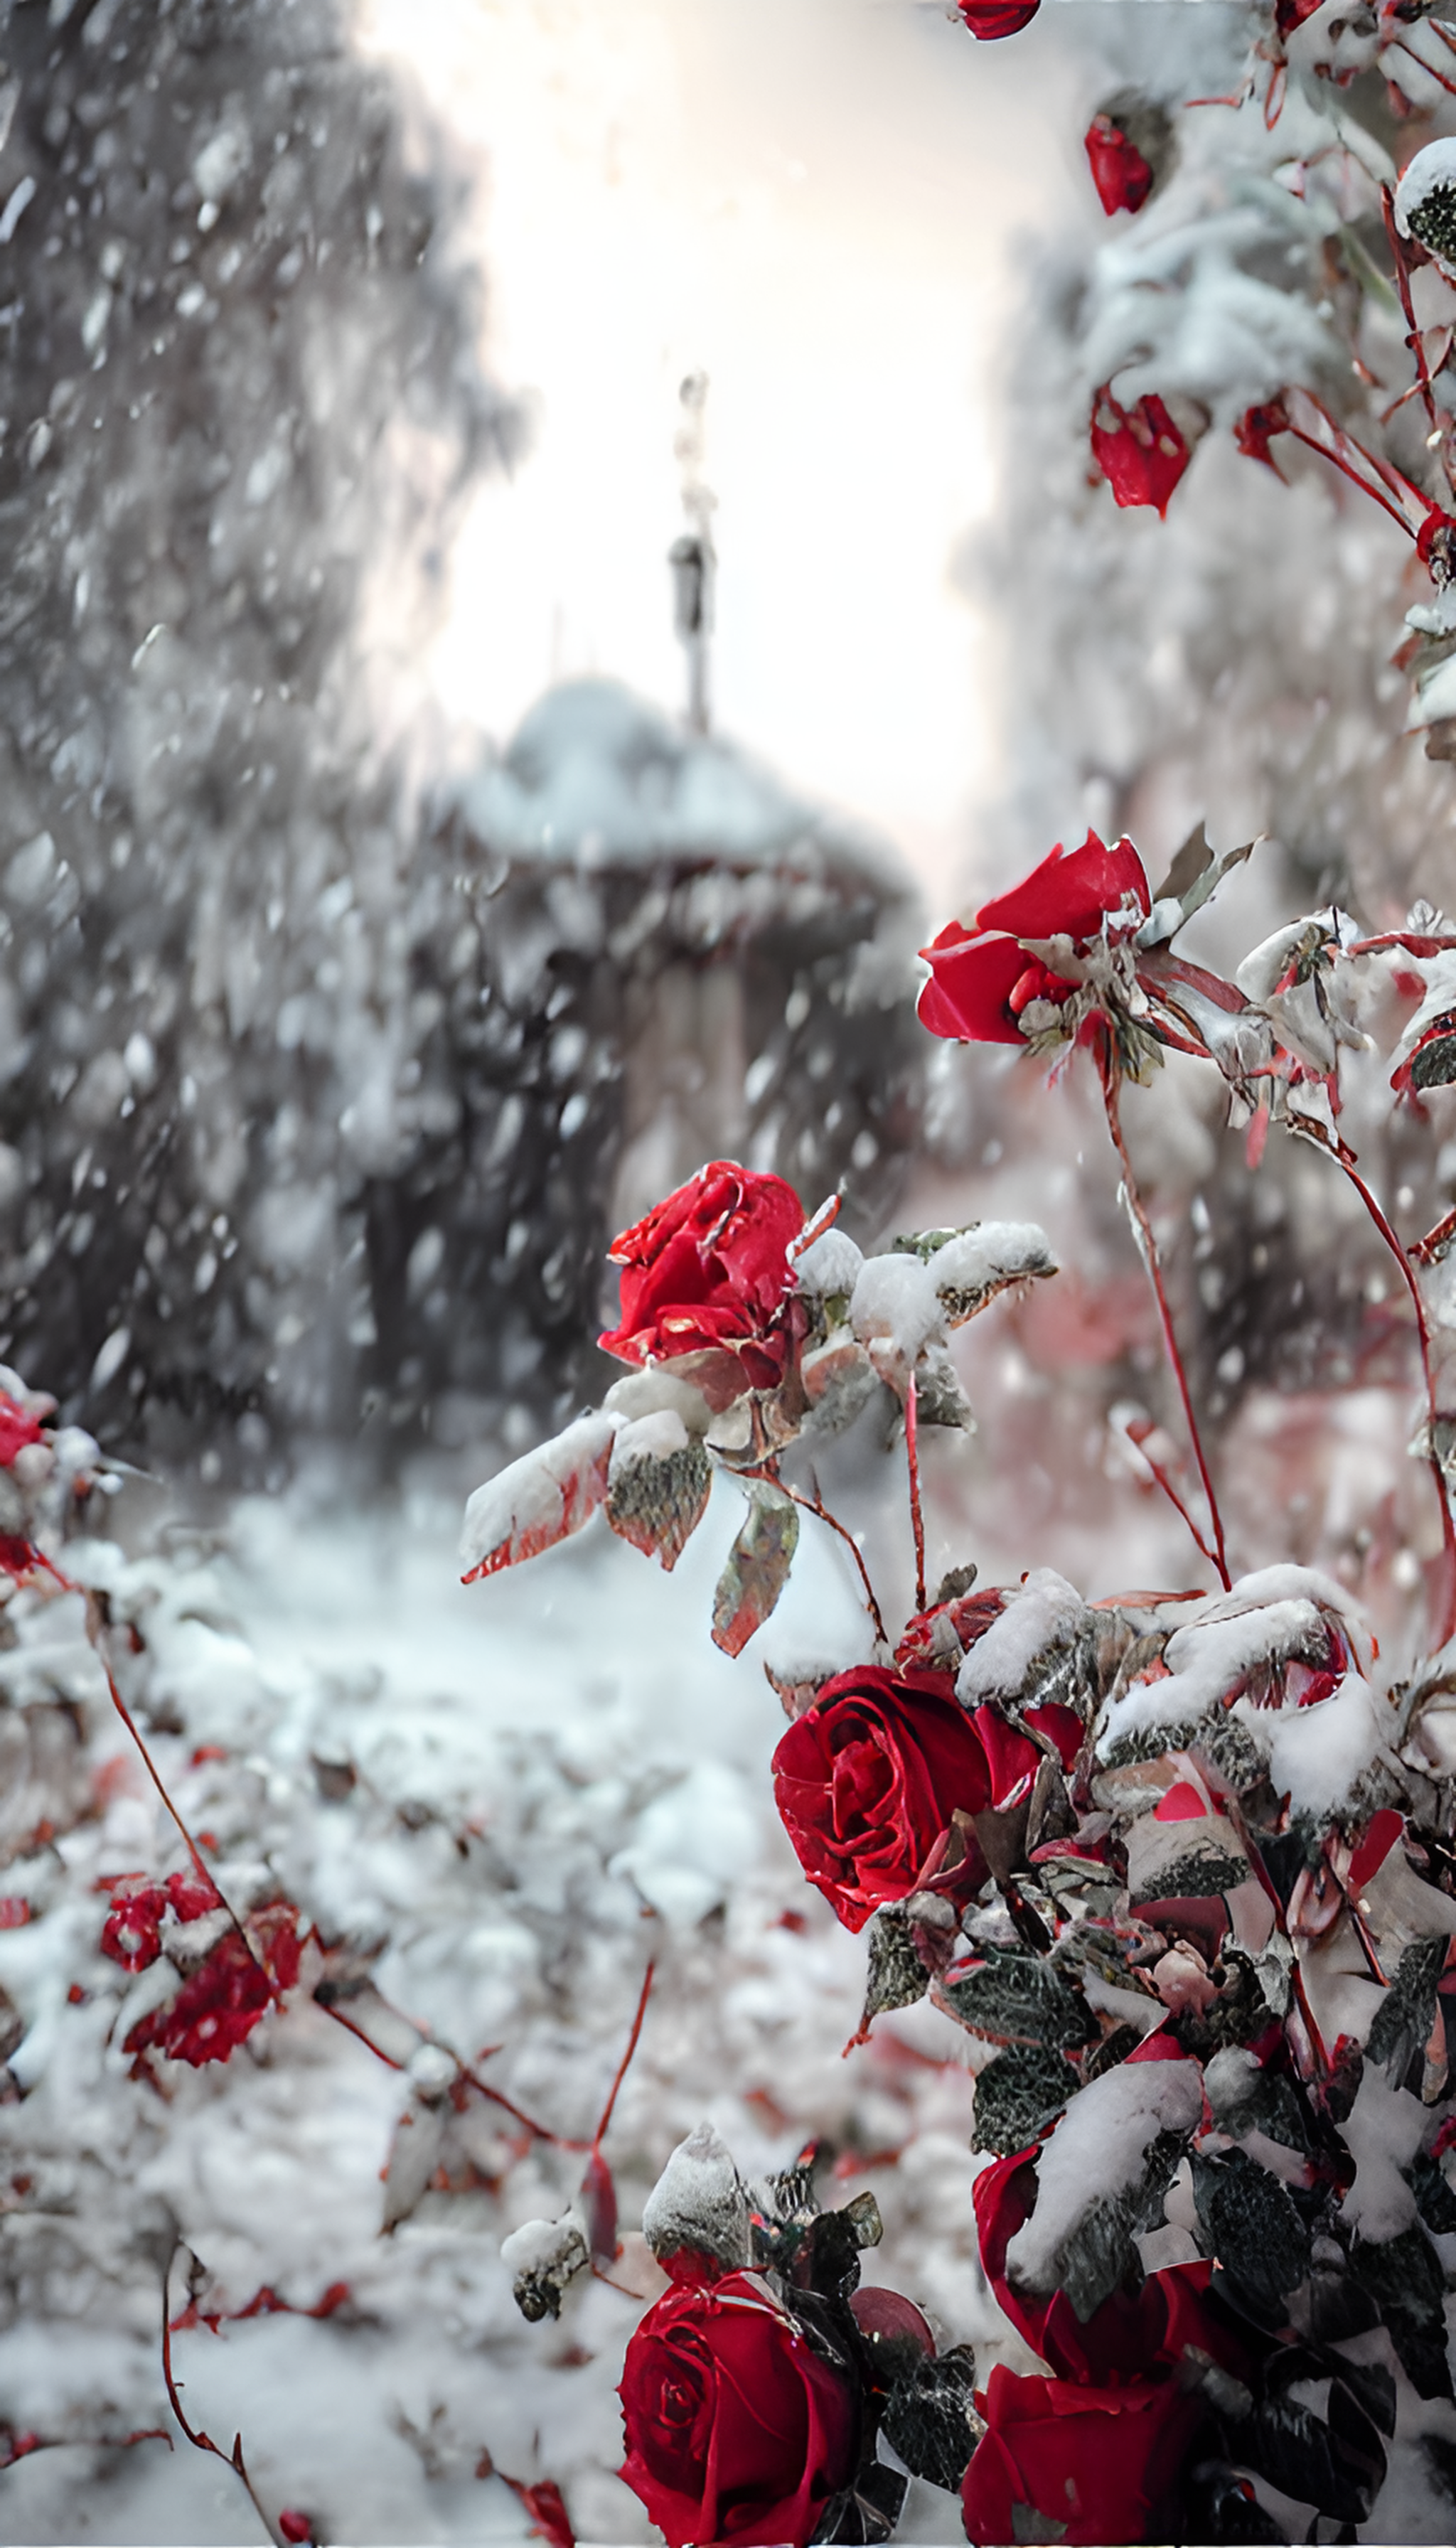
[[541, 2132], [200, 2441], [917, 1518], [1336, 1151], [1414, 338], [816, 1504], [1163, 1479], [625, 2064], [1136, 1205], [94, 1630]]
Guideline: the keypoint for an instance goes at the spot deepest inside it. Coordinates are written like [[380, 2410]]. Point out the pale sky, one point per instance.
[[814, 202]]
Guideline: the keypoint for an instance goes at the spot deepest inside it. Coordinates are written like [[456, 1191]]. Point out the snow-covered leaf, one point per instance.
[[539, 1498], [658, 1486]]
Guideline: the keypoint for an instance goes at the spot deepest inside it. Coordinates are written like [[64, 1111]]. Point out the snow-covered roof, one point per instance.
[[596, 776]]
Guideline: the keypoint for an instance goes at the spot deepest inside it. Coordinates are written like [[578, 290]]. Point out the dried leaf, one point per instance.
[[658, 1504], [757, 1570]]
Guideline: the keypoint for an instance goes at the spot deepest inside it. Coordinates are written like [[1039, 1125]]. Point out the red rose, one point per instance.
[[736, 2428], [1100, 2463], [1138, 449], [708, 1266], [1130, 2333], [868, 1781], [988, 18], [17, 1428], [1119, 173], [983, 977]]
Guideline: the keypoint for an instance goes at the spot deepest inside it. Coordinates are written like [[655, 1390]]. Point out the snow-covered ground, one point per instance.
[[509, 1798]]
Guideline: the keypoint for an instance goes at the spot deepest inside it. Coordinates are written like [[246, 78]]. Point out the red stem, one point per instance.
[[1163, 1479], [1414, 338], [625, 2064], [1447, 1627], [203, 1871], [539, 2131], [1108, 1068], [816, 1504], [917, 1518], [200, 2441]]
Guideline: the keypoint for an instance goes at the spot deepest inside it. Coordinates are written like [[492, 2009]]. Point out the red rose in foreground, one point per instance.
[[1130, 2334], [989, 18], [982, 979], [708, 1267], [1100, 2463], [868, 1781], [736, 2428], [1119, 173], [1138, 449]]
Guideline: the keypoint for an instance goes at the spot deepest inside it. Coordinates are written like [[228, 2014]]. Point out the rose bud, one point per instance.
[[542, 2257], [696, 2220], [736, 2428]]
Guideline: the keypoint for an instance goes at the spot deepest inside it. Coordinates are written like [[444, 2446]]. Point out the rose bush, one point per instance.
[[868, 1781], [736, 2428], [708, 1267]]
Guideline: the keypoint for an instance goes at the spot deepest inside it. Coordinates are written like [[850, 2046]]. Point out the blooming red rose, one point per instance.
[[736, 2428], [868, 1781], [1119, 173], [1100, 2463], [988, 18], [983, 980], [1138, 449], [708, 1267]]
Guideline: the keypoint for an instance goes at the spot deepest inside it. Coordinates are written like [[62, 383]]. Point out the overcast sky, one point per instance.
[[815, 202]]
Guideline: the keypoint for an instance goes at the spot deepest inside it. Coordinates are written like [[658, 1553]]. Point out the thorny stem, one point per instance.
[[917, 1517], [625, 2064], [200, 2441], [1447, 1622], [816, 1504], [1136, 1205]]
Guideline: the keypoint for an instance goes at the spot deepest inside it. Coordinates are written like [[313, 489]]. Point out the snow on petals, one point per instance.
[[540, 1499]]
